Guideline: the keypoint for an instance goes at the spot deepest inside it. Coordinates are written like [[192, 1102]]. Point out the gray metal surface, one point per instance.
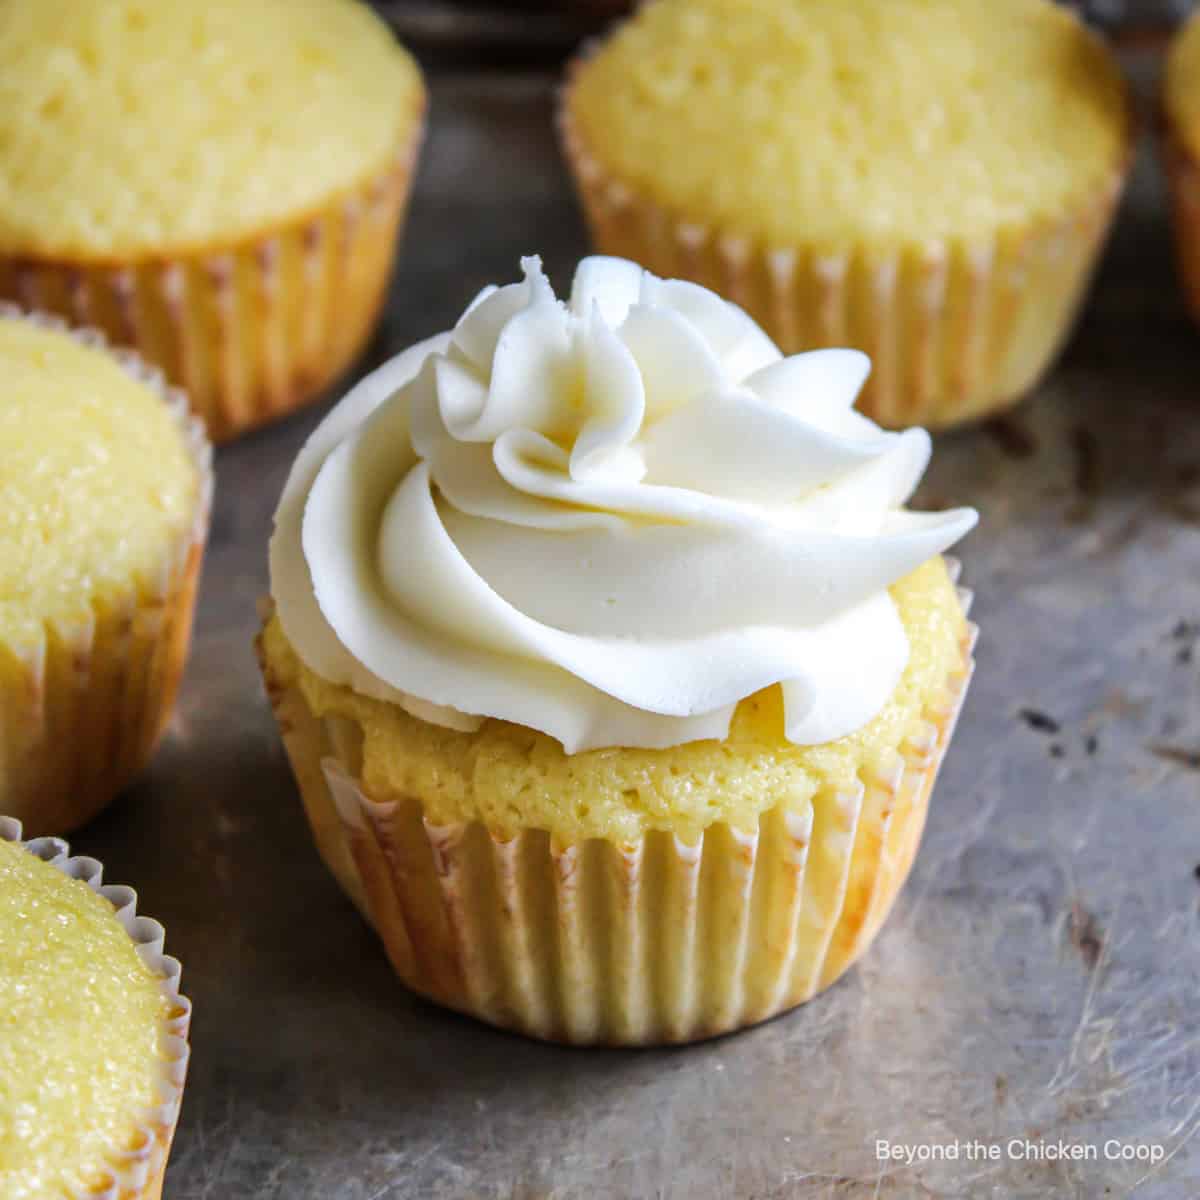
[[1040, 978]]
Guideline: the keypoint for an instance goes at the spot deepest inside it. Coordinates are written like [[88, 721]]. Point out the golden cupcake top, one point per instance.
[[1181, 89], [80, 1021], [138, 126], [511, 777], [96, 482], [835, 121]]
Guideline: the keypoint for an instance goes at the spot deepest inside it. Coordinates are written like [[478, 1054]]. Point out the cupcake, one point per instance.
[[614, 675], [94, 1051], [105, 481], [216, 184], [929, 181], [1181, 154]]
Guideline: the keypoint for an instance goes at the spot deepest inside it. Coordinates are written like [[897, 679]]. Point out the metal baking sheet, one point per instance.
[[1040, 980]]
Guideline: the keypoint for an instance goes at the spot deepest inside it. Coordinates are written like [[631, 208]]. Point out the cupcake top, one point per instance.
[[97, 482], [835, 121], [141, 126], [80, 1021], [1181, 88], [608, 520]]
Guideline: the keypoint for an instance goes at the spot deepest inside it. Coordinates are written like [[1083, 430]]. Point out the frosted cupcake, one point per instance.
[[613, 672], [218, 184], [94, 1047], [105, 484], [929, 181]]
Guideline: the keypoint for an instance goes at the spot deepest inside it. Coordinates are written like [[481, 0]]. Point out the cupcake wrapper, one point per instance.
[[256, 329], [134, 1171], [1183, 187], [955, 330], [82, 709], [652, 941]]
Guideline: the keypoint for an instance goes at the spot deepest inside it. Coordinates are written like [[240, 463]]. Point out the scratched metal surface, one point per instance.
[[1041, 974]]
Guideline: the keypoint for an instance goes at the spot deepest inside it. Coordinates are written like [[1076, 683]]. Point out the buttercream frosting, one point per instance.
[[609, 520]]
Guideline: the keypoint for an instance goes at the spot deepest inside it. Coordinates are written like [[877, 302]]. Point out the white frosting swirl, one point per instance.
[[609, 520]]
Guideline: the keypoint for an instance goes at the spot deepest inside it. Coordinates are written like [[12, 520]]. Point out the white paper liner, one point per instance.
[[112, 739], [654, 941], [135, 1173]]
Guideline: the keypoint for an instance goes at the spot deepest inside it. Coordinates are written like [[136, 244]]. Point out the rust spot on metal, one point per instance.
[[1181, 507], [1177, 496], [1039, 721], [1185, 633], [1124, 535], [1118, 703], [1085, 450], [1178, 755], [1086, 934], [1012, 436]]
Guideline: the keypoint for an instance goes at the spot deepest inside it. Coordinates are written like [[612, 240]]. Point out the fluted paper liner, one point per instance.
[[252, 330], [652, 941], [1183, 186], [82, 708], [133, 1171], [955, 329]]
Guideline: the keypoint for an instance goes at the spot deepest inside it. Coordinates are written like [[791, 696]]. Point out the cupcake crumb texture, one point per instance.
[[511, 778], [132, 126], [96, 483], [80, 1015], [828, 122]]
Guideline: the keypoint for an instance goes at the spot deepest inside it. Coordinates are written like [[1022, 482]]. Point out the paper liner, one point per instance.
[[955, 329], [134, 1171], [1183, 189], [652, 941], [82, 709], [255, 329]]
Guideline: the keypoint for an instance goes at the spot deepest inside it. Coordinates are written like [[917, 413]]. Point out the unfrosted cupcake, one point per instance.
[[927, 180], [105, 484], [613, 672], [218, 184], [93, 1051], [1181, 152]]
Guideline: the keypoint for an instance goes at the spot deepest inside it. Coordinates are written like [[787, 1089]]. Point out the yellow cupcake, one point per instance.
[[498, 831], [94, 1048], [927, 180], [105, 483], [1181, 153], [217, 184], [613, 672]]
